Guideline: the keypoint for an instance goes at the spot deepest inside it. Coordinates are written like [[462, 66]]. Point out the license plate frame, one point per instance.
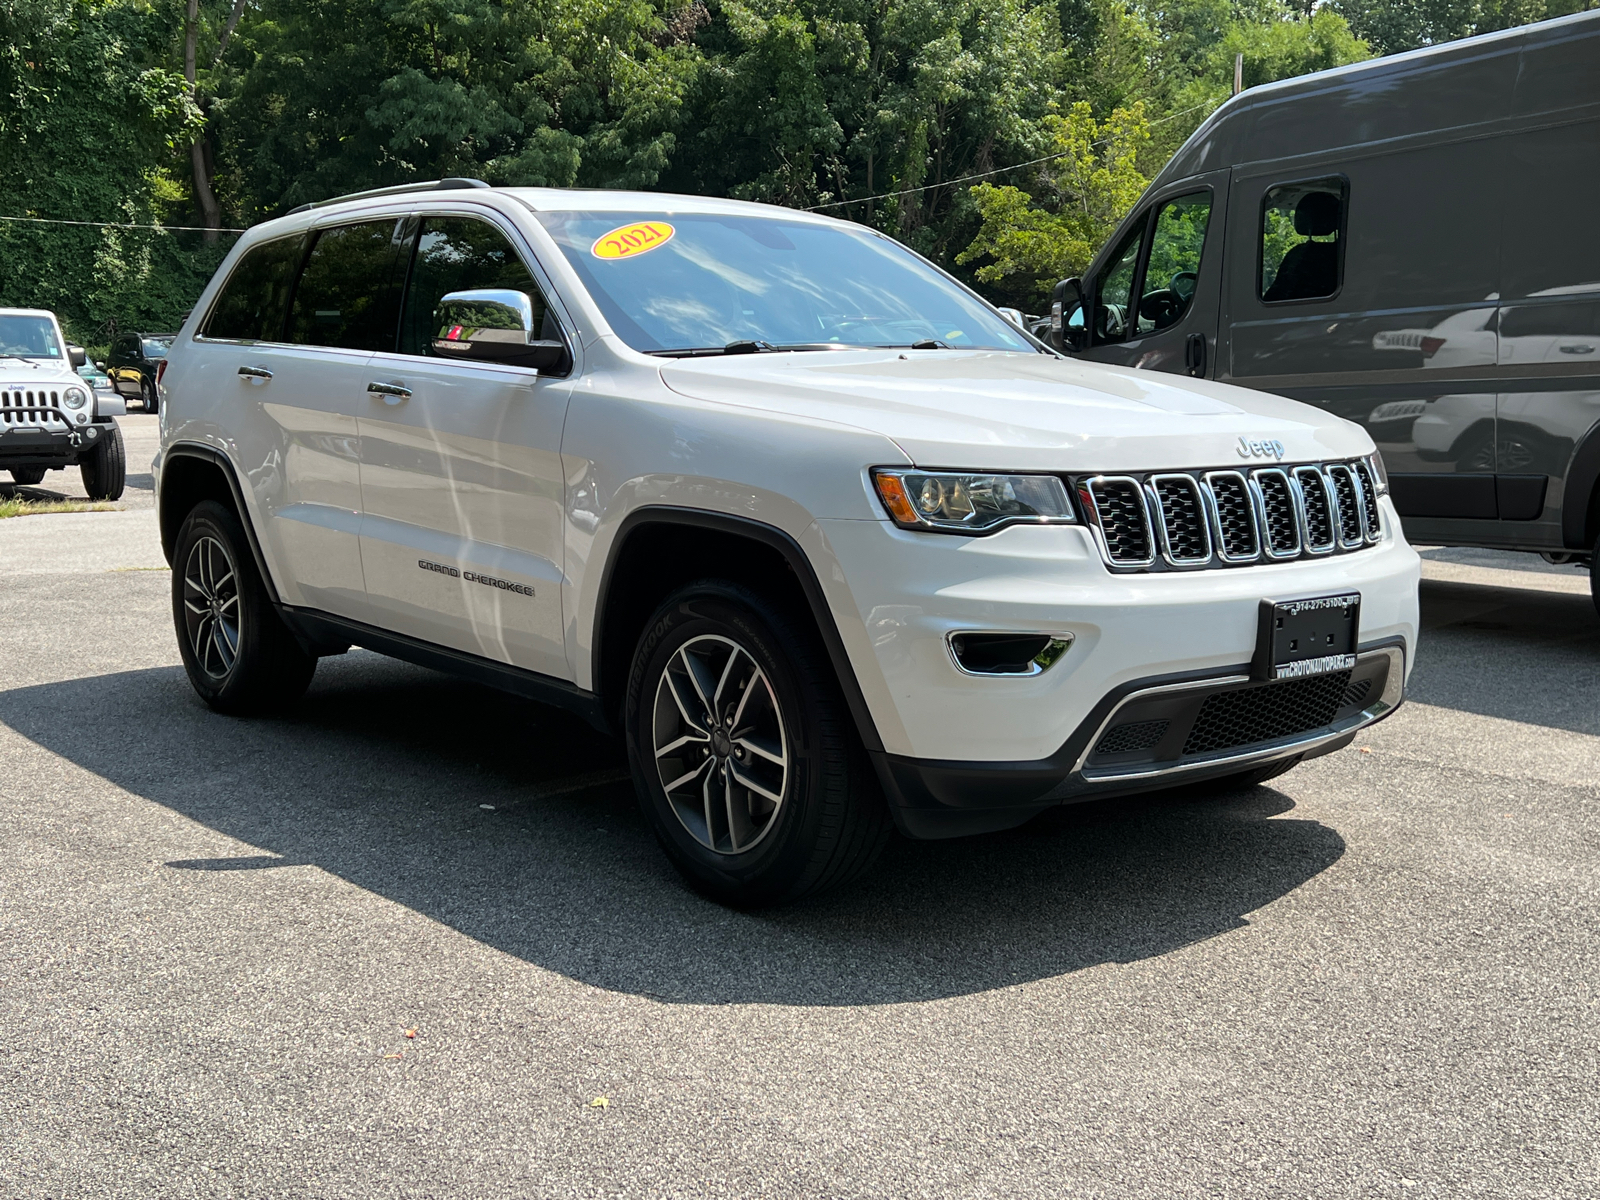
[[1307, 636]]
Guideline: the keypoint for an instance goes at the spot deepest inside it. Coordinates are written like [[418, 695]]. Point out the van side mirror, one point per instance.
[[77, 355], [1068, 335], [491, 325]]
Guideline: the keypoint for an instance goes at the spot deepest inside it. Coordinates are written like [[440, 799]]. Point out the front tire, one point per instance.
[[105, 468], [28, 476], [239, 655], [743, 753], [147, 395]]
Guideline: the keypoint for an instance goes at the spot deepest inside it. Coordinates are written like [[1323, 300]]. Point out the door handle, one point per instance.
[[392, 393], [1576, 348], [1194, 355], [255, 372]]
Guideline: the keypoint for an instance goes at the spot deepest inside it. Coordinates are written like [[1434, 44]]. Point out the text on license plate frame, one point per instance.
[[1307, 636]]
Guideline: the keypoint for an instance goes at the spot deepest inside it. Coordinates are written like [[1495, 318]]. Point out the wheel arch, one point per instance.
[[190, 473], [659, 548], [1580, 494]]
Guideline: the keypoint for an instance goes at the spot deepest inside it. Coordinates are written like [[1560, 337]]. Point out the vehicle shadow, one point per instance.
[[381, 774], [1520, 653]]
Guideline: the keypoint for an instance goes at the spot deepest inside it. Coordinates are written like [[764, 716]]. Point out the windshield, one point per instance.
[[29, 337], [155, 347], [676, 282]]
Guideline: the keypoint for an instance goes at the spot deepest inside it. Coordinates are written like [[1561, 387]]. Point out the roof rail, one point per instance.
[[430, 185]]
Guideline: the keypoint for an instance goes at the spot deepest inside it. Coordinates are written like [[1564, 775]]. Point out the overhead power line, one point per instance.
[[1033, 162], [122, 225]]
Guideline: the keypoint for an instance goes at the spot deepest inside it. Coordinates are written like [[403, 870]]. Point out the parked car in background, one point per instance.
[[134, 366], [833, 544], [94, 375], [49, 417], [1407, 242]]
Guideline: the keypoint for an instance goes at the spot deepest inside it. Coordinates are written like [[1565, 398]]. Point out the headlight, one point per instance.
[[75, 398], [952, 502], [1380, 477]]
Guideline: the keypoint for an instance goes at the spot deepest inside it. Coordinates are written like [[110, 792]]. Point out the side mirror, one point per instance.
[[77, 355], [490, 325], [1064, 334]]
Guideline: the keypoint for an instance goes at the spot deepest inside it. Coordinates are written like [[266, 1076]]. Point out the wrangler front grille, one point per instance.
[[31, 409], [1180, 520]]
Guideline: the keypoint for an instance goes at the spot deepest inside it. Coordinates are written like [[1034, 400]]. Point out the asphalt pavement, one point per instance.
[[403, 941]]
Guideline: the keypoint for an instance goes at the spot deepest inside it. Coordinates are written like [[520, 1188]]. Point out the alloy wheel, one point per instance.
[[721, 752], [211, 606]]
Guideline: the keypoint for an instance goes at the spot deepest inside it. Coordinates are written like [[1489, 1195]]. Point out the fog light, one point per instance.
[[93, 433], [82, 418], [1007, 653]]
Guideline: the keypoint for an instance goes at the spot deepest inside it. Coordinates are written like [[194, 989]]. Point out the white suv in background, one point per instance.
[[832, 544]]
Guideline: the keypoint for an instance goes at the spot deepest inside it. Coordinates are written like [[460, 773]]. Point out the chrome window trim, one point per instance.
[[1219, 541], [1153, 502]]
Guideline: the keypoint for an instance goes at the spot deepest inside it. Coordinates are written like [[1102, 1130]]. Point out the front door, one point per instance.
[[461, 471], [1156, 299]]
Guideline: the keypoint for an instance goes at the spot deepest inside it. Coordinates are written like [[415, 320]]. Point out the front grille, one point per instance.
[[1136, 735], [1230, 720], [1348, 493], [1238, 533], [1317, 505], [1118, 505], [31, 409], [1356, 693], [1187, 520], [1369, 499], [1186, 536]]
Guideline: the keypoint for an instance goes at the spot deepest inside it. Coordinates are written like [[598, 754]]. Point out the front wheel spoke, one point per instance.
[[756, 747], [727, 669], [224, 581], [699, 690], [199, 610], [229, 637], [749, 690], [683, 709], [727, 804], [683, 779], [687, 739], [758, 789], [229, 604], [705, 796]]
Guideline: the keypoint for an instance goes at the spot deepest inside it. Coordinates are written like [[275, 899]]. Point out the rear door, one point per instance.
[[461, 468], [1157, 296]]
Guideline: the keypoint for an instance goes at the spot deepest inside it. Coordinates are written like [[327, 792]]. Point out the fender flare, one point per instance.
[[799, 563], [224, 464], [1580, 522]]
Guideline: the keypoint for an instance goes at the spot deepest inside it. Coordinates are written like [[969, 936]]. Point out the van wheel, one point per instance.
[[27, 475], [240, 656], [147, 394], [105, 468], [746, 762]]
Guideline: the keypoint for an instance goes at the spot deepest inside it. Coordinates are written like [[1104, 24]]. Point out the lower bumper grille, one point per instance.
[[1265, 714]]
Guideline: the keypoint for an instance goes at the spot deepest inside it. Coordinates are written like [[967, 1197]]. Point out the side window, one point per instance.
[[349, 293], [1173, 268], [1302, 240], [459, 254], [251, 306], [1115, 294]]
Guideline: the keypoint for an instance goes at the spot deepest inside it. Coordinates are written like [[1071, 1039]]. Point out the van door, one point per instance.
[[1155, 300], [461, 475]]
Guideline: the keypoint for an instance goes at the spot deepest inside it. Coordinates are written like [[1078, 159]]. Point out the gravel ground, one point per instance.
[[1375, 976]]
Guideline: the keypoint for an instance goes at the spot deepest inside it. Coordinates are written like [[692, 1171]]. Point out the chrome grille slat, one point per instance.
[[1317, 510], [1233, 514], [1347, 496], [1193, 519], [1180, 511]]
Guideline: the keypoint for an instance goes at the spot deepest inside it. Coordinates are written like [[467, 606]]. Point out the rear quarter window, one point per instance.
[[254, 301]]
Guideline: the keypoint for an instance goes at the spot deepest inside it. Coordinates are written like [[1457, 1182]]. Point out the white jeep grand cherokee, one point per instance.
[[835, 546]]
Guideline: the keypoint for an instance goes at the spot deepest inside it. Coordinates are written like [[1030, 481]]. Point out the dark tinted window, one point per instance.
[[1114, 296], [252, 303], [1300, 233], [459, 254], [1173, 268], [349, 293]]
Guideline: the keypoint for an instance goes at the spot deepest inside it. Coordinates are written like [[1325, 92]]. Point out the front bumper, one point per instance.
[[32, 446]]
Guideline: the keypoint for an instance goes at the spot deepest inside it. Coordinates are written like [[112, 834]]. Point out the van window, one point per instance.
[[1115, 293], [251, 306], [349, 293], [1173, 269], [1301, 251], [458, 254]]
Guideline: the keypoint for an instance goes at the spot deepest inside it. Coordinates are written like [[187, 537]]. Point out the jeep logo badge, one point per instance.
[[1260, 448]]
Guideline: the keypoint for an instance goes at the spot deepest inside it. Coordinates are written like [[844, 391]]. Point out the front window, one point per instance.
[[155, 347], [29, 337], [675, 283]]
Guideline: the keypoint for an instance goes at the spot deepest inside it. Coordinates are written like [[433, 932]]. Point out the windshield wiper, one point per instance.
[[749, 346]]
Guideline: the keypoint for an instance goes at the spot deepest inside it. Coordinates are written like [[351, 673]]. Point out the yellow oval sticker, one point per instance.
[[629, 240]]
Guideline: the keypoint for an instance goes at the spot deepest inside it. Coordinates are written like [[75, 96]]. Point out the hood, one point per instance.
[[990, 410], [31, 373]]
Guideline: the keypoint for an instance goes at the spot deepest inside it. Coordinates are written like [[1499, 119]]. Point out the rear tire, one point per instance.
[[28, 475], [732, 703], [147, 394], [240, 656], [105, 468]]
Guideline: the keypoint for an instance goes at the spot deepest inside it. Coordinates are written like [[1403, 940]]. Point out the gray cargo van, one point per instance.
[[1411, 242]]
